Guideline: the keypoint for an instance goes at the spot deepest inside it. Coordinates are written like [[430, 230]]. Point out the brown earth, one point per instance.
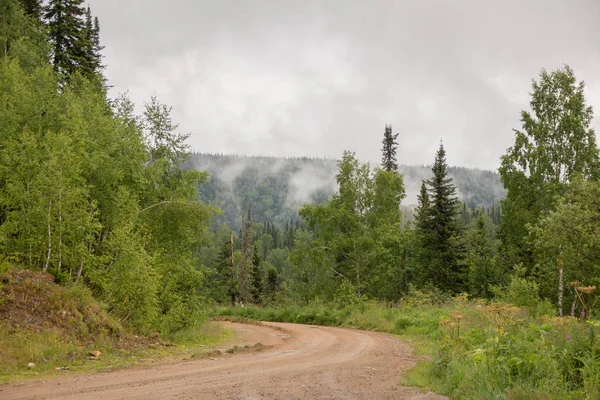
[[296, 362], [32, 301]]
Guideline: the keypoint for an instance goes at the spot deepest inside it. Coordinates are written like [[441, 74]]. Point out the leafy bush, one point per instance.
[[346, 294], [520, 291], [501, 351]]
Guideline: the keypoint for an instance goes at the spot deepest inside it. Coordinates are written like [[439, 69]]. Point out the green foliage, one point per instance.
[[21, 37], [32, 8], [501, 352], [256, 278], [521, 292], [438, 231], [272, 283], [277, 187], [226, 280], [89, 191], [358, 231], [406, 319], [567, 239], [483, 271], [555, 144], [388, 151], [346, 294]]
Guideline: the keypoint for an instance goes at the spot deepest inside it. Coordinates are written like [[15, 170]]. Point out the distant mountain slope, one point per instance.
[[277, 187]]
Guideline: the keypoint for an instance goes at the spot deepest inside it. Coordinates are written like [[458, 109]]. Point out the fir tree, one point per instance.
[[442, 232], [390, 145], [271, 288], [256, 285], [92, 67], [423, 212], [423, 231], [482, 271], [66, 26], [33, 8], [247, 240], [226, 273]]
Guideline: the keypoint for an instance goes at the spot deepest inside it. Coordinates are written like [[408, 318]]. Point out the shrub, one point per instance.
[[520, 291]]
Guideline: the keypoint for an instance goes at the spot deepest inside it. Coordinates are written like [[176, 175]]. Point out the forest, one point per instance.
[[113, 201], [278, 187]]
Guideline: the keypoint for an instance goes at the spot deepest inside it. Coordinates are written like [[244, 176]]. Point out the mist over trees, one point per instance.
[[278, 187]]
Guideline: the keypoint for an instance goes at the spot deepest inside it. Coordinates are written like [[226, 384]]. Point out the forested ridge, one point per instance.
[[115, 203], [277, 187]]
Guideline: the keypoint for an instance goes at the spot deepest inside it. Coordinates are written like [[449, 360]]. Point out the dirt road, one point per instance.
[[299, 362]]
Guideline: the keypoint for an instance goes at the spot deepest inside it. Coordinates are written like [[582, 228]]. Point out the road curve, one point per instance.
[[299, 362]]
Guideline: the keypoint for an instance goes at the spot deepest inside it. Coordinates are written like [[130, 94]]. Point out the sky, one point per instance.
[[317, 77]]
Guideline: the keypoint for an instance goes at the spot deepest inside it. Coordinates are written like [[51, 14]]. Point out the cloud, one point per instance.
[[315, 78]]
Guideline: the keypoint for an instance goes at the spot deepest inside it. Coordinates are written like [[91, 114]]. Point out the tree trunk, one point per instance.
[[574, 305], [49, 252], [232, 282], [243, 260], [79, 272], [561, 288], [59, 230]]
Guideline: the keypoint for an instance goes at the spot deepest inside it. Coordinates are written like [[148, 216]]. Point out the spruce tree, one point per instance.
[[33, 8], [256, 284], [66, 26], [442, 231], [480, 251], [226, 273], [247, 240], [271, 288], [92, 66], [423, 230], [423, 212], [390, 145]]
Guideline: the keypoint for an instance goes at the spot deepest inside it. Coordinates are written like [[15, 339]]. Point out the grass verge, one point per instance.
[[52, 355]]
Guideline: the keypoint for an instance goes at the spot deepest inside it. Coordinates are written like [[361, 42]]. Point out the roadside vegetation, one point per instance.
[[49, 329]]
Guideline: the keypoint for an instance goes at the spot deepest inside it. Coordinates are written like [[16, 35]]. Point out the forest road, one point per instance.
[[297, 362]]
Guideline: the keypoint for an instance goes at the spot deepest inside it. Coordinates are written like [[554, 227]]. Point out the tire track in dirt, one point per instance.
[[299, 362]]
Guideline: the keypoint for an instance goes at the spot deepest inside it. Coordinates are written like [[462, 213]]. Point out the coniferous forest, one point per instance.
[[114, 202]]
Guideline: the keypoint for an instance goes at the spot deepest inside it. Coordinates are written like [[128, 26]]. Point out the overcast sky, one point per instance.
[[316, 77]]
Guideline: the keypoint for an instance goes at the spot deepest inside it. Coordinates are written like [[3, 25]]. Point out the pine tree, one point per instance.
[[390, 145], [256, 284], [226, 273], [482, 270], [92, 67], [423, 234], [271, 288], [66, 26], [441, 230], [423, 210], [33, 8], [247, 237]]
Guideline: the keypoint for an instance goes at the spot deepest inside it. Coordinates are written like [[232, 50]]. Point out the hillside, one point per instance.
[[277, 187], [44, 325]]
